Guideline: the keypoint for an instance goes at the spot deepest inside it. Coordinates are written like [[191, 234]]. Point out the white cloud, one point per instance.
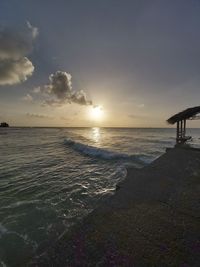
[[13, 72], [15, 67], [28, 98]]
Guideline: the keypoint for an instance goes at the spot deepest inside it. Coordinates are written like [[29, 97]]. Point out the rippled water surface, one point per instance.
[[52, 177]]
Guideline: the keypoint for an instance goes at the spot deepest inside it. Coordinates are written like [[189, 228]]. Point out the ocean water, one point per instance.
[[52, 177]]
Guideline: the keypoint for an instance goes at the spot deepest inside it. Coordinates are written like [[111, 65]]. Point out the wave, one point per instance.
[[93, 151]]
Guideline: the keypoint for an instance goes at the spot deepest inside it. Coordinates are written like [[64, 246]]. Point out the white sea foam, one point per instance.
[[100, 152]]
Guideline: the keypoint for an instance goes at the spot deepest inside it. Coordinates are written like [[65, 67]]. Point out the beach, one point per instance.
[[151, 220]]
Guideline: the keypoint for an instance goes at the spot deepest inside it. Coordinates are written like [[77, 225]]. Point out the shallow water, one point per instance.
[[52, 177]]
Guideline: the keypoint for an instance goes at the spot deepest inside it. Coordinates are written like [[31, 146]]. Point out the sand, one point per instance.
[[153, 219]]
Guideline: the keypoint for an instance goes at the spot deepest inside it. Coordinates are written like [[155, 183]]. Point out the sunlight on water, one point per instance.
[[96, 135]]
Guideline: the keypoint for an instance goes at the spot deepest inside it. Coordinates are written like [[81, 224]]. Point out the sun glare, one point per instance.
[[96, 113]]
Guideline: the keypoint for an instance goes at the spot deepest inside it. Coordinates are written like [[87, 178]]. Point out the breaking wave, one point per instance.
[[93, 151]]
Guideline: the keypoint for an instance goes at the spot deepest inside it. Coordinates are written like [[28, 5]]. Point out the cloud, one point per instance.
[[65, 118], [71, 117], [80, 98], [15, 67], [38, 116], [13, 72], [59, 91], [140, 105], [28, 98], [136, 116], [33, 33]]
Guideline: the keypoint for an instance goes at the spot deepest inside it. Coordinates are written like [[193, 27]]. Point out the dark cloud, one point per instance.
[[59, 91], [80, 98], [15, 67], [60, 84]]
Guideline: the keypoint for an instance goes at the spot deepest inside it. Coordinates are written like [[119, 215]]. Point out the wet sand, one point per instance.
[[153, 219]]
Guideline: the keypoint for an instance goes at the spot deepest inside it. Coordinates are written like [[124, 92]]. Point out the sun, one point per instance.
[[97, 113]]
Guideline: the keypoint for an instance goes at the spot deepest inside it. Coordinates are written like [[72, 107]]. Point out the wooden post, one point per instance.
[[181, 129], [184, 127], [177, 132]]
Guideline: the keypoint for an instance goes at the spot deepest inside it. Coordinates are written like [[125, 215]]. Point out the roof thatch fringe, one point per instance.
[[184, 115]]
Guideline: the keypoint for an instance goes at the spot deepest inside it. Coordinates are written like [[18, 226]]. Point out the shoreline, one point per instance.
[[151, 220]]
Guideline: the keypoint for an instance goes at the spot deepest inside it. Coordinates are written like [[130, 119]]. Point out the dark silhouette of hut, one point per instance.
[[180, 118], [4, 124]]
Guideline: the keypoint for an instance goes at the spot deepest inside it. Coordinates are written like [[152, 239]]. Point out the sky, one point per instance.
[[112, 63]]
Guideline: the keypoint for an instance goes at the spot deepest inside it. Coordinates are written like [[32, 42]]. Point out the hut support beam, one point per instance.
[[181, 132], [184, 127], [177, 131]]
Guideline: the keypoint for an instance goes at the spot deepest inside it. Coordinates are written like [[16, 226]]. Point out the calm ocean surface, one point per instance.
[[52, 177]]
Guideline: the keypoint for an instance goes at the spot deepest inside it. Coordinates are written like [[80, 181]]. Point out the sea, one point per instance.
[[50, 178]]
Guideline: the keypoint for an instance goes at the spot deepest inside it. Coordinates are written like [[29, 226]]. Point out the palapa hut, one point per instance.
[[180, 118]]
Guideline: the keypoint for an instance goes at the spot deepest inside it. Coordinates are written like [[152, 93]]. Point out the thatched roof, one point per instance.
[[184, 115]]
